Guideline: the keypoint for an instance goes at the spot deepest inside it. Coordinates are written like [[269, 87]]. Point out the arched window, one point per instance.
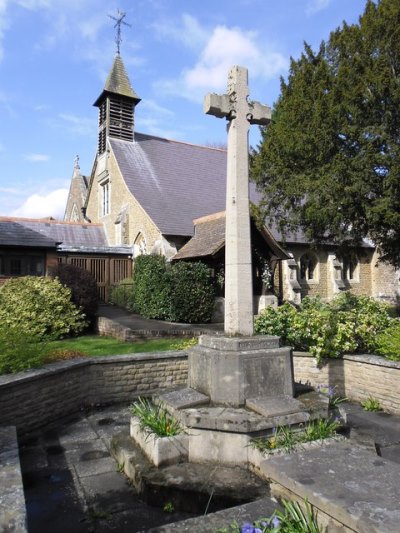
[[139, 246], [350, 271], [308, 267]]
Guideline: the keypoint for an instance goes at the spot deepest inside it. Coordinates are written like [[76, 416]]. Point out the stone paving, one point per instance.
[[72, 484]]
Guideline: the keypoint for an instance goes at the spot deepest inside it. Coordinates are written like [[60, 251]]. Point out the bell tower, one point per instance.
[[117, 101]]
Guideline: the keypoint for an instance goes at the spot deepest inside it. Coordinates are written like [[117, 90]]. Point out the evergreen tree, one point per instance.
[[329, 160]]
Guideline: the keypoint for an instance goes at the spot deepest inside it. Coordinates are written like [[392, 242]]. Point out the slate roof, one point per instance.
[[209, 238], [118, 82], [70, 236], [14, 234], [175, 182]]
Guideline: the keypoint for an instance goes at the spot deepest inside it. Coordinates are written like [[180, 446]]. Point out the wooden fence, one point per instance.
[[108, 271]]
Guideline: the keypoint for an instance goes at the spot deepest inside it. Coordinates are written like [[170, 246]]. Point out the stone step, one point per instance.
[[348, 485], [188, 486]]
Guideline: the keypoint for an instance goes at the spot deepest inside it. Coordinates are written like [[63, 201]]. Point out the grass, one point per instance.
[[286, 438], [95, 345], [371, 404]]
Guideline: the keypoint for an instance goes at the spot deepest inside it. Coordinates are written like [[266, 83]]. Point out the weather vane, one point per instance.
[[119, 19]]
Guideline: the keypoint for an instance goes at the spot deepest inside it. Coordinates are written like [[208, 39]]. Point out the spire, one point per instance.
[[116, 106], [118, 83]]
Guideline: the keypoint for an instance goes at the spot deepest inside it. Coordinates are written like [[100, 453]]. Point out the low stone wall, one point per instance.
[[12, 501], [106, 326], [34, 398], [356, 377]]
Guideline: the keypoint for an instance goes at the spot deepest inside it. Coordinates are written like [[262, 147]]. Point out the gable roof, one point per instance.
[[175, 182], [209, 239]]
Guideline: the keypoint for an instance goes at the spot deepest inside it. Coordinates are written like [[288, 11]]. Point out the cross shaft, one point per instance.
[[240, 113]]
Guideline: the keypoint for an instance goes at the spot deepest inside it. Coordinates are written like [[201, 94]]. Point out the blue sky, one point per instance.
[[55, 56]]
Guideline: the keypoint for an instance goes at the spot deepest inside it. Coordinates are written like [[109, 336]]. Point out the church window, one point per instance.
[[350, 270], [140, 247], [105, 198], [308, 267]]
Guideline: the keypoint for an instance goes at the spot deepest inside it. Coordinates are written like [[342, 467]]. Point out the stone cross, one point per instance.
[[240, 113]]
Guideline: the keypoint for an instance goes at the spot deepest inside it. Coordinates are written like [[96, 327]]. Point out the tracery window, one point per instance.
[[350, 271], [308, 267]]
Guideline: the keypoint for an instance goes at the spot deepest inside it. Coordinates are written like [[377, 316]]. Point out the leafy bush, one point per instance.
[[20, 350], [388, 342], [122, 294], [191, 293], [39, 307], [180, 292], [83, 287], [276, 321], [151, 286], [347, 324]]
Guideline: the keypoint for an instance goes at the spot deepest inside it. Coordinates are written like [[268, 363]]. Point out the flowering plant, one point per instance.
[[292, 519]]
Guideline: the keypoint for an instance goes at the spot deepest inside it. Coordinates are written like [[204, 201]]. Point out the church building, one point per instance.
[[161, 196]]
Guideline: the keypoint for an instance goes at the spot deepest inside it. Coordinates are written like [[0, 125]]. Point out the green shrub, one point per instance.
[[180, 292], [83, 287], [122, 294], [276, 321], [191, 293], [40, 307], [151, 287], [388, 342], [20, 350], [348, 324]]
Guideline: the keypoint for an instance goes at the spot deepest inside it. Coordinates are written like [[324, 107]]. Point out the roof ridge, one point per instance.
[[47, 221], [176, 141], [209, 218]]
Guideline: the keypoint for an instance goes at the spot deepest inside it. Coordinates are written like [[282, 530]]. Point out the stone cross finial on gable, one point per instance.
[[240, 113]]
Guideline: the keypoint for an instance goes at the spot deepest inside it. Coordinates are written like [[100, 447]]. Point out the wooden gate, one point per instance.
[[108, 271]]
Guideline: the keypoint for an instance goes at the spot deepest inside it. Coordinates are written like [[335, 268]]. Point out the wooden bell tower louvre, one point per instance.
[[116, 106]]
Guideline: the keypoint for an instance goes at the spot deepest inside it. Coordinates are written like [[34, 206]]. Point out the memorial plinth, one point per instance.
[[230, 370]]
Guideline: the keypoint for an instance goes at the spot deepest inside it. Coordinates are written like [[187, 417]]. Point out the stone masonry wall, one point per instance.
[[37, 397], [34, 398], [356, 377]]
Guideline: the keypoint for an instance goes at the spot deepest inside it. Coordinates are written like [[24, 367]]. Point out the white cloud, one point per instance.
[[33, 5], [4, 23], [79, 125], [51, 204], [36, 158], [225, 47], [187, 31], [313, 6]]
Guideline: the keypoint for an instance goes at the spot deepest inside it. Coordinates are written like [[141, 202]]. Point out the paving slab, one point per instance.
[[276, 406], [183, 398], [345, 481]]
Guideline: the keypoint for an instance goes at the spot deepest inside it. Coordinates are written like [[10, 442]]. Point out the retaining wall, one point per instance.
[[356, 377], [31, 399], [34, 398]]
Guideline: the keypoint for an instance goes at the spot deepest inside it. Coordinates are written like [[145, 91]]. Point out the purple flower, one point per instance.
[[247, 528], [276, 522]]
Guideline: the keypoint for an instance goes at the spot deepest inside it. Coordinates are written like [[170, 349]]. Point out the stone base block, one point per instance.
[[161, 451], [231, 369], [218, 447]]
